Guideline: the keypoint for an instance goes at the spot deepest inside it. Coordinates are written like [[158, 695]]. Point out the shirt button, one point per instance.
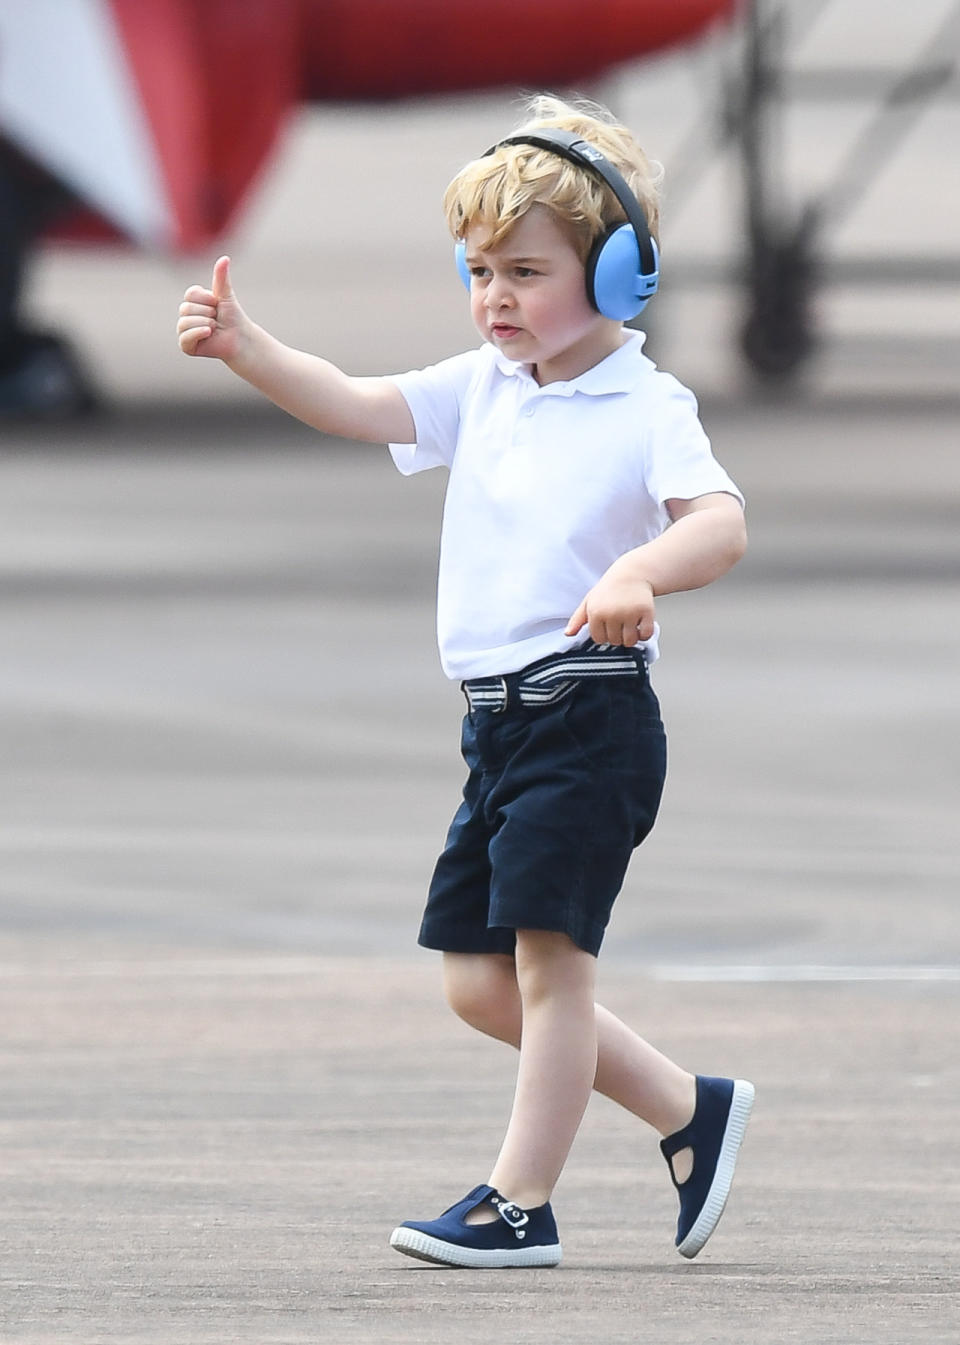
[[528, 411]]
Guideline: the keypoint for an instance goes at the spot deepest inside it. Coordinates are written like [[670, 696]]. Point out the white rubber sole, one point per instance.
[[740, 1107], [411, 1242]]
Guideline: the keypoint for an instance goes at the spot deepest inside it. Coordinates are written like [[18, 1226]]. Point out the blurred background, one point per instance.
[[200, 597], [811, 212]]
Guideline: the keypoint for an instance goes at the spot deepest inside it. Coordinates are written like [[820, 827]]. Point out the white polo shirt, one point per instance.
[[548, 487]]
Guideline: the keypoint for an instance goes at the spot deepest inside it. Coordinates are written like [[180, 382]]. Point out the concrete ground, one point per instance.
[[227, 1070]]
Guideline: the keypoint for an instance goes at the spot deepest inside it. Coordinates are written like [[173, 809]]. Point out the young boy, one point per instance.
[[581, 488]]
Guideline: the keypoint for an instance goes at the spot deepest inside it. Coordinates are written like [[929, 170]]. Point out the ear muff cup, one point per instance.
[[616, 286], [460, 257]]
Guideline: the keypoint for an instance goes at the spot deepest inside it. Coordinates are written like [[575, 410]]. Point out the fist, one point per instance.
[[211, 321], [618, 610]]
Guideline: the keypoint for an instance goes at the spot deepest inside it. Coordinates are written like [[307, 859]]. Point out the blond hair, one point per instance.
[[497, 189]]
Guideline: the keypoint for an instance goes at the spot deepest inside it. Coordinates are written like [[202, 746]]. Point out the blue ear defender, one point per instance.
[[623, 268], [617, 286], [460, 257]]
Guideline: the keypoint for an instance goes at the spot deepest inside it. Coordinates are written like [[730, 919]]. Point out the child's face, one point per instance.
[[528, 297]]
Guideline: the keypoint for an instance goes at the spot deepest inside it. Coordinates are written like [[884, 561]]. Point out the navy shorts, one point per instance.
[[557, 799]]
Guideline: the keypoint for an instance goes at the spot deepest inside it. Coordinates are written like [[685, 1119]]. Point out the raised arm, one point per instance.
[[213, 324], [706, 538]]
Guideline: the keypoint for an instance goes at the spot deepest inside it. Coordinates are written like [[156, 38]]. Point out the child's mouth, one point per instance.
[[503, 331]]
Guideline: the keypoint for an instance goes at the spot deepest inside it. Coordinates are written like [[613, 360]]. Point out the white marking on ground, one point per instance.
[[791, 974]]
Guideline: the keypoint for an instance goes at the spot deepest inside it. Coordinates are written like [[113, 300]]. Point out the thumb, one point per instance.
[[222, 289], [578, 620]]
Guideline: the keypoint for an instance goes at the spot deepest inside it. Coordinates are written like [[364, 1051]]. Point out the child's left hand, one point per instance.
[[619, 610]]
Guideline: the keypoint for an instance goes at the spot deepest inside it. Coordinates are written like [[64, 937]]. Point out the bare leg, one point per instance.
[[558, 1063], [483, 989]]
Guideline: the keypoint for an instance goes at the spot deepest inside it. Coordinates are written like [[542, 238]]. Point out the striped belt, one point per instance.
[[549, 681]]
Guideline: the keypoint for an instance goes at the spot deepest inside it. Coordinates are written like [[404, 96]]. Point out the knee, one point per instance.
[[482, 990], [549, 965]]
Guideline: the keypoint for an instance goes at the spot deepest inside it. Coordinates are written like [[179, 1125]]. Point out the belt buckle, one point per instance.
[[494, 709]]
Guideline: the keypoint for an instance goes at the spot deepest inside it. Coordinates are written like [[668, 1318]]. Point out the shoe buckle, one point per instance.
[[514, 1216]]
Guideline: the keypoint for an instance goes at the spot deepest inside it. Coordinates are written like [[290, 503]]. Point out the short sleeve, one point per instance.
[[679, 463], [435, 396]]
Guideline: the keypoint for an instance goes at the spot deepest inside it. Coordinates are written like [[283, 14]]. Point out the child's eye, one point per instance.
[[480, 272], [524, 272]]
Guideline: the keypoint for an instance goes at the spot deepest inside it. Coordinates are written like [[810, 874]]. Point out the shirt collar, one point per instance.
[[619, 372]]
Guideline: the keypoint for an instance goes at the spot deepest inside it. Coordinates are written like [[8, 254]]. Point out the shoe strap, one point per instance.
[[680, 1139], [673, 1144], [511, 1214]]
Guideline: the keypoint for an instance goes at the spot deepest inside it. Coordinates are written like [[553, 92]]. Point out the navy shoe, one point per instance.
[[517, 1238], [715, 1135]]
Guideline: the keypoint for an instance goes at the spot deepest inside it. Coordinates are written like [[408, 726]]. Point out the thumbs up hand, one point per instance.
[[211, 321]]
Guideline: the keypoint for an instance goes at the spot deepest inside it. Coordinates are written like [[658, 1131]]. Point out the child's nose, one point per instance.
[[498, 293]]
